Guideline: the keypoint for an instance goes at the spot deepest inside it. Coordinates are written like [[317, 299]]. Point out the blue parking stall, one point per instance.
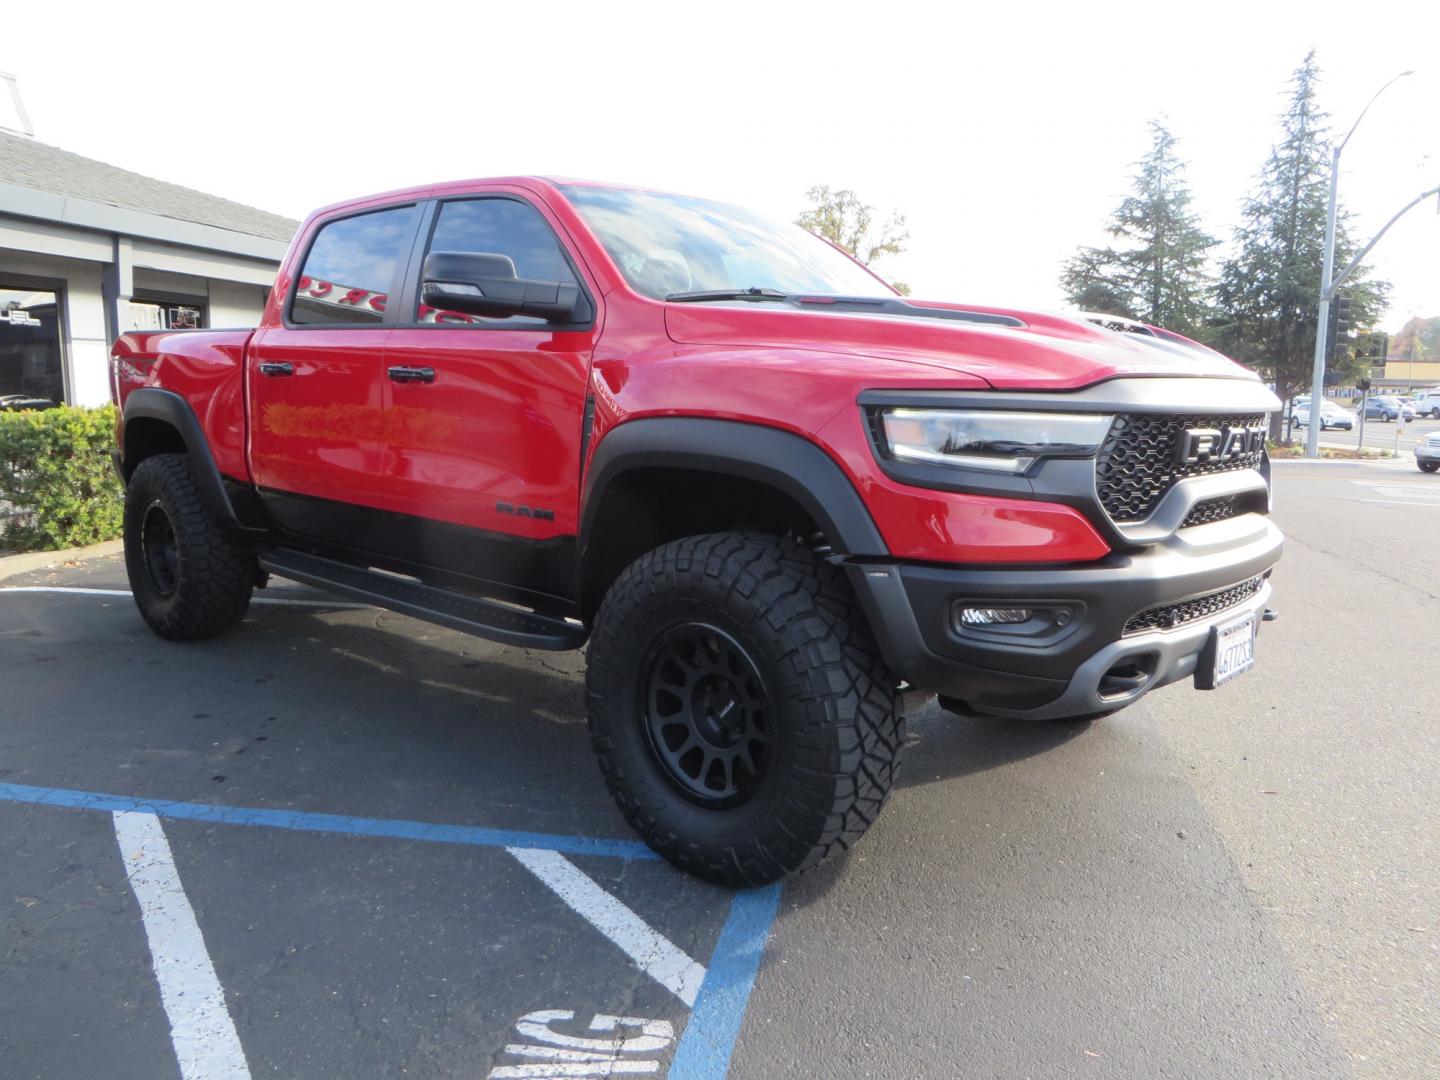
[[719, 988]]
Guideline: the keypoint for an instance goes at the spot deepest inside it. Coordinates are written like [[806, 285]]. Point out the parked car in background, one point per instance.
[[1427, 403], [17, 402], [1387, 408], [1331, 415], [1427, 452]]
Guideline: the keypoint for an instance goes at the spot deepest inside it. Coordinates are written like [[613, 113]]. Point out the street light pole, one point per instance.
[[1317, 373], [1327, 293]]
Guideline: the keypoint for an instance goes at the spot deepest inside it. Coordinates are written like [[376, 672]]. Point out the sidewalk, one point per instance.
[[24, 563]]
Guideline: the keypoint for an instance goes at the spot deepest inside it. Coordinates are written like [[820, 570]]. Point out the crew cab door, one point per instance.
[[316, 381], [484, 416]]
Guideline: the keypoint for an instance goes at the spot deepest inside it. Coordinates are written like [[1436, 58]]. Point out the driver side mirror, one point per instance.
[[483, 283]]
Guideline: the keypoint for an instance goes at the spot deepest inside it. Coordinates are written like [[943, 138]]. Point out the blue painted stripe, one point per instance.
[[709, 1038], [302, 821]]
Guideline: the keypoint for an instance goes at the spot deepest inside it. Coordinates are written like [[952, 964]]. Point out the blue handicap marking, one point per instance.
[[707, 1042]]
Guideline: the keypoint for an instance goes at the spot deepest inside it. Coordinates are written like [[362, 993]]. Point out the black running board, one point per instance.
[[483, 618]]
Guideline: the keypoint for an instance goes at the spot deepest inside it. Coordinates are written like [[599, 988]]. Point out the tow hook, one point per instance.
[[913, 700]]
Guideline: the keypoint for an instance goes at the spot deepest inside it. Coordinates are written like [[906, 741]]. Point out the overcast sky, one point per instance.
[[1005, 133]]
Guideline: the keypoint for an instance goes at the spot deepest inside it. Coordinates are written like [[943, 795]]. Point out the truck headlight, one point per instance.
[[988, 439]]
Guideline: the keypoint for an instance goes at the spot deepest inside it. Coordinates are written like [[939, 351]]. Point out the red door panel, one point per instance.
[[316, 403], [493, 442]]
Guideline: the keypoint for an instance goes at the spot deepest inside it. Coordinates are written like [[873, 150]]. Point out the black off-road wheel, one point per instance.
[[743, 718], [189, 580]]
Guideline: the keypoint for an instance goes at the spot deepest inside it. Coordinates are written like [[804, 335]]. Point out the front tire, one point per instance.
[[743, 718], [1429, 466], [188, 579]]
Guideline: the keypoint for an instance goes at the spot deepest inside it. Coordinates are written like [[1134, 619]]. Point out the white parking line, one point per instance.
[[671, 967], [201, 1030], [1399, 491]]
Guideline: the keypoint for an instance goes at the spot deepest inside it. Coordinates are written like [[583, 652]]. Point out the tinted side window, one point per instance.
[[498, 227], [348, 273]]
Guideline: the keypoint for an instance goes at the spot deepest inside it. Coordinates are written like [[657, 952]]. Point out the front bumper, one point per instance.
[[1087, 664], [1425, 452]]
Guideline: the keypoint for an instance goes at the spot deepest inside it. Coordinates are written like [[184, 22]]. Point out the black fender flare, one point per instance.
[[151, 403], [781, 459]]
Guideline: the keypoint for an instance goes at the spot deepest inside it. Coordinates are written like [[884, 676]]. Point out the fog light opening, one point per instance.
[[978, 616]]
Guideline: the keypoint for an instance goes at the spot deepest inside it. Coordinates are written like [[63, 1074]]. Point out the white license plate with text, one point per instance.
[[1235, 648]]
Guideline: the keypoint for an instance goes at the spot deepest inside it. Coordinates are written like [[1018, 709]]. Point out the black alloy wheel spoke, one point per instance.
[[705, 712], [161, 551]]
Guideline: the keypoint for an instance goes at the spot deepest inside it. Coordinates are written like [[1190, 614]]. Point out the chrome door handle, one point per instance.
[[276, 367], [400, 373]]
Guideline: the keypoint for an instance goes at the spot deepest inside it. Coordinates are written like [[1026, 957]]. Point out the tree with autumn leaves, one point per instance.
[[848, 222]]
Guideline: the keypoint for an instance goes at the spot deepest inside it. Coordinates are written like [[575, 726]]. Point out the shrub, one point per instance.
[[57, 486]]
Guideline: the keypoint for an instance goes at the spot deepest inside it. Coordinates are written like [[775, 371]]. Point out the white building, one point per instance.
[[88, 251]]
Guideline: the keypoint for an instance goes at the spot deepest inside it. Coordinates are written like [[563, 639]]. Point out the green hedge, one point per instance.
[[57, 486]]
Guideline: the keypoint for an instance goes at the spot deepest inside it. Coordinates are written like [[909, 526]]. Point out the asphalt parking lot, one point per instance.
[[384, 850]]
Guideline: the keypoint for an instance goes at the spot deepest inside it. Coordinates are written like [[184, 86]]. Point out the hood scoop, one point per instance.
[[867, 305]]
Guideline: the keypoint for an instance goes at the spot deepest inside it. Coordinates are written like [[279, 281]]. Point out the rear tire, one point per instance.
[[743, 718], [189, 580]]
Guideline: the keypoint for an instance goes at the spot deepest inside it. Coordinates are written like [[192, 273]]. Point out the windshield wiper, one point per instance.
[[726, 294]]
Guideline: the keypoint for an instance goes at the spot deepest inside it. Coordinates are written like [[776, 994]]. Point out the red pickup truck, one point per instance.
[[774, 496]]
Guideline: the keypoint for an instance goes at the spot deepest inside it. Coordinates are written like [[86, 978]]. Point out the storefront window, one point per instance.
[[30, 357], [145, 314]]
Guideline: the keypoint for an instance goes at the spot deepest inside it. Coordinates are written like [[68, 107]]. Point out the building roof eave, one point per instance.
[[84, 214]]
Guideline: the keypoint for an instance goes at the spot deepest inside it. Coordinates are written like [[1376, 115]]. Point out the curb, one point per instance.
[[14, 565], [1401, 458]]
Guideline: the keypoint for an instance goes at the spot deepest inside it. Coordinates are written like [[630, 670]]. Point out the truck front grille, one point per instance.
[[1140, 460], [1169, 616], [1208, 510]]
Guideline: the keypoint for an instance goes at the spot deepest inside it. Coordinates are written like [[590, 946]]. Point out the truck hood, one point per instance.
[[1009, 349]]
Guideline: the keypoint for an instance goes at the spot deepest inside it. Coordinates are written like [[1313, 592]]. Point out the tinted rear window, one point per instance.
[[350, 267]]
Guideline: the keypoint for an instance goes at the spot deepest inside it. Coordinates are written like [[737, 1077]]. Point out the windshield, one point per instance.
[[668, 244]]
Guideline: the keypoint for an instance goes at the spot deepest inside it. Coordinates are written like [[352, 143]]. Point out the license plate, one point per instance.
[[1234, 649]]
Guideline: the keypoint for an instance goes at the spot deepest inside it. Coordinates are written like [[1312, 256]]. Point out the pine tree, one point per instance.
[[1269, 289], [1158, 272]]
